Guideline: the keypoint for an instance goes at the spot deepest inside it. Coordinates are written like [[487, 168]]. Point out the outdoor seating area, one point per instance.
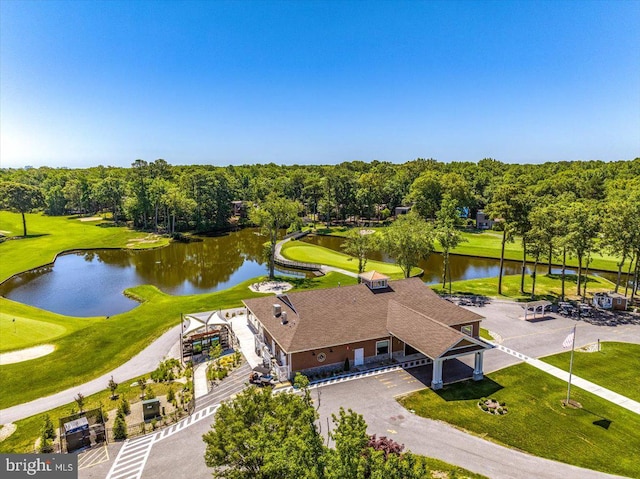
[[594, 315]]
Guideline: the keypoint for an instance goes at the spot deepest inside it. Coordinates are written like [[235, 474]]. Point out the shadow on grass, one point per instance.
[[603, 423], [571, 278], [29, 236], [470, 389]]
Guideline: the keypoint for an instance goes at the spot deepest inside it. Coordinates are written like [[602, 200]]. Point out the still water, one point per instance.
[[462, 267], [92, 283]]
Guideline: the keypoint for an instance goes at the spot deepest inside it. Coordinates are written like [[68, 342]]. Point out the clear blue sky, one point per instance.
[[86, 82]]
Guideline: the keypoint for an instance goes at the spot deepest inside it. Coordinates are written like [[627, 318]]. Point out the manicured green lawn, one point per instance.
[[488, 243], [309, 253], [18, 332], [50, 235], [597, 367], [484, 334], [28, 429], [547, 287], [95, 346], [600, 436]]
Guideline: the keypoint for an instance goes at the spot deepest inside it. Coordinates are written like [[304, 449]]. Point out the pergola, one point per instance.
[[202, 332], [535, 305]]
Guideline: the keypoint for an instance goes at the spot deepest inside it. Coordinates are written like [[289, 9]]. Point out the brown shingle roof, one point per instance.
[[424, 334], [330, 317]]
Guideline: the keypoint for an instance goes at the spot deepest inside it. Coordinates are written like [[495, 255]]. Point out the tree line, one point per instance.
[[556, 209]]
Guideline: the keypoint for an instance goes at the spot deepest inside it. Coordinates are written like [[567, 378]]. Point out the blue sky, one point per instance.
[[84, 83]]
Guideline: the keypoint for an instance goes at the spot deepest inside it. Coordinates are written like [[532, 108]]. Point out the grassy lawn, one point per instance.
[[94, 346], [487, 244], [484, 334], [600, 436], [28, 429], [596, 367], [547, 286], [50, 235], [309, 253]]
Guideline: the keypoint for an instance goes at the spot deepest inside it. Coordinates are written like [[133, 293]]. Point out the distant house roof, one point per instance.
[[331, 317]]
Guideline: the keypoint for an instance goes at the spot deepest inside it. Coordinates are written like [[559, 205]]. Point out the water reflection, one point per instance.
[[91, 283], [462, 267]]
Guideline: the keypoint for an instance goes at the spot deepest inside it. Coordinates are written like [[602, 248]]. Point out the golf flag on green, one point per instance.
[[569, 340]]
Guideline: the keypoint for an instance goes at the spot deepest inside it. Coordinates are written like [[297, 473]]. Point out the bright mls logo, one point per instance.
[[49, 466]]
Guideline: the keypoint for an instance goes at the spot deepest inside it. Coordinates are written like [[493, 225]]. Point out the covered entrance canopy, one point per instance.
[[535, 306], [435, 340]]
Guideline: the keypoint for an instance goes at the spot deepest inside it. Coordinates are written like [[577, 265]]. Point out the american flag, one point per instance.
[[569, 340]]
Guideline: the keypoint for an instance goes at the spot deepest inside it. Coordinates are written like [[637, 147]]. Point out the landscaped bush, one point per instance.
[[119, 428]]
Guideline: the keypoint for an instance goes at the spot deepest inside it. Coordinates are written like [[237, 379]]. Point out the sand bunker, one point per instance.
[[91, 218], [270, 287], [7, 430], [26, 354]]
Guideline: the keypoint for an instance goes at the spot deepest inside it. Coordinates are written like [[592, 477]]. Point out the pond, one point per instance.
[[92, 283], [462, 267]]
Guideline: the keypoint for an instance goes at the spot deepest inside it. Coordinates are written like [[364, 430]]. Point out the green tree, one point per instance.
[[124, 407], [111, 192], [408, 240], [447, 234], [503, 209], [79, 399], [621, 228], [274, 213], [358, 243], [21, 198], [112, 387], [426, 193], [582, 232], [350, 437], [262, 435], [47, 428], [119, 428], [45, 444]]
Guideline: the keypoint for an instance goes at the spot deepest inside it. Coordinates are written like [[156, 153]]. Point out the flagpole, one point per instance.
[[573, 345]]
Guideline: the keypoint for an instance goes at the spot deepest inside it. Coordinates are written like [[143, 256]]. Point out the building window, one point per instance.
[[382, 347], [468, 330]]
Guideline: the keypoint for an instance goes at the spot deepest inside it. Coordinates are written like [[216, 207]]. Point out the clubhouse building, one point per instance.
[[375, 321]]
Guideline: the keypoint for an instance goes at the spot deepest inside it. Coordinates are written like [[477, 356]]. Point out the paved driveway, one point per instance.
[[374, 398]]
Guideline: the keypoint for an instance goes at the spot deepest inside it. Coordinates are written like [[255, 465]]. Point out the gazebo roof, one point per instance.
[[200, 320]]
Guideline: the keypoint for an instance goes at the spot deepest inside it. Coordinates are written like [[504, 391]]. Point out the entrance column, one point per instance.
[[436, 381], [477, 370]]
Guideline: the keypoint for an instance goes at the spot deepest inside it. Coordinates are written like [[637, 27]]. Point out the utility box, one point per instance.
[[150, 409]]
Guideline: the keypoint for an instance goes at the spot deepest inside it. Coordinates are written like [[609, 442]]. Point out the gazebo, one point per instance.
[[204, 331], [534, 305]]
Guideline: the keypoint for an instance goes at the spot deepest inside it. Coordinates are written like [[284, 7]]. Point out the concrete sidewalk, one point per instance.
[[593, 388]]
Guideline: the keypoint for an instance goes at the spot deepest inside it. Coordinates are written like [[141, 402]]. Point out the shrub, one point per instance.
[[48, 430], [171, 396], [119, 428], [150, 394], [45, 444], [124, 408]]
